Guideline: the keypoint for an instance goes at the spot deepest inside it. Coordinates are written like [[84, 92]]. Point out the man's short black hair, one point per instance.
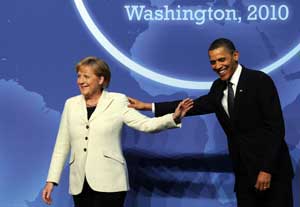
[[222, 42]]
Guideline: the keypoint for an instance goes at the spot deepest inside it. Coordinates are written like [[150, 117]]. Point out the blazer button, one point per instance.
[[86, 138], [87, 126], [84, 149]]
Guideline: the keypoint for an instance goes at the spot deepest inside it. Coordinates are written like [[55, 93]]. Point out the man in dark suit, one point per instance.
[[247, 106]]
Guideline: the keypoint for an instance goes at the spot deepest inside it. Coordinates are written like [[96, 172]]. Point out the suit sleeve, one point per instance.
[[273, 124], [138, 121], [202, 105], [61, 149]]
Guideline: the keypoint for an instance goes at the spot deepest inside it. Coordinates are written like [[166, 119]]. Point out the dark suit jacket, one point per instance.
[[255, 132]]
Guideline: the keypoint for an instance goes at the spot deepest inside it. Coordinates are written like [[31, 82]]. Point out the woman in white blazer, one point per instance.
[[90, 131]]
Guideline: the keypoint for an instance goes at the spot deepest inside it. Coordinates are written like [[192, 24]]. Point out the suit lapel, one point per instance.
[[219, 97], [103, 102], [240, 90], [82, 108]]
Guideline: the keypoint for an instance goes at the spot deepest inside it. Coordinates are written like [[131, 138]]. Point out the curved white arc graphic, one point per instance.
[[282, 60], [147, 73], [123, 59]]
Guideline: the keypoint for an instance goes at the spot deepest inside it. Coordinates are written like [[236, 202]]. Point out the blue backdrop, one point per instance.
[[157, 50]]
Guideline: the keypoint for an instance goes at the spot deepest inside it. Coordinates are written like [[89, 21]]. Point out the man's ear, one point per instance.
[[236, 56]]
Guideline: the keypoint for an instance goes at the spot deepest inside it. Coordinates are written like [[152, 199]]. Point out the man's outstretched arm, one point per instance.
[[139, 105], [202, 105]]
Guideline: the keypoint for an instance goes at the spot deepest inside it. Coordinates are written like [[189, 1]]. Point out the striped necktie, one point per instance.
[[230, 98]]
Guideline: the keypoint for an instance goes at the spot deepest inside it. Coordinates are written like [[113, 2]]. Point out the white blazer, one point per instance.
[[95, 145]]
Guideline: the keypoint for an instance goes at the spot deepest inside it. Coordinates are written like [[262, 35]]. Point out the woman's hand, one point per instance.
[[182, 108], [47, 193]]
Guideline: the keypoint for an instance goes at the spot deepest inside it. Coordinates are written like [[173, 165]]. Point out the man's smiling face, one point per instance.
[[223, 62]]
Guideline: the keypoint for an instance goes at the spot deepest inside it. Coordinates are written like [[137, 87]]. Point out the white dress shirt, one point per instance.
[[234, 80]]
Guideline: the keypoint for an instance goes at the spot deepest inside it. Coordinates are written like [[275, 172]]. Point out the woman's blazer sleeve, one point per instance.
[[61, 149]]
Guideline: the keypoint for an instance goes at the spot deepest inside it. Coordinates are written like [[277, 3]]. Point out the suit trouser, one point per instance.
[[90, 198], [278, 195]]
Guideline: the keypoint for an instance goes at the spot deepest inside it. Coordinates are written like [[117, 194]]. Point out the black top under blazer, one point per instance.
[[255, 131]]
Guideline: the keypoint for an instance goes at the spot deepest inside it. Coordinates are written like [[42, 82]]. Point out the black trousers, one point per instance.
[[278, 195], [90, 198]]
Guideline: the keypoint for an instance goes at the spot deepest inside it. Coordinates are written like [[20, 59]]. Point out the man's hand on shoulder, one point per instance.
[[139, 105]]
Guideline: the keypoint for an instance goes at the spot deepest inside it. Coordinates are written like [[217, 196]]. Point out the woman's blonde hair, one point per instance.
[[100, 67]]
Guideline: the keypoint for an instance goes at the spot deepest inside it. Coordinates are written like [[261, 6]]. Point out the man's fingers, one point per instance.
[[131, 100], [256, 185], [263, 181], [265, 185], [262, 185], [134, 103], [259, 186]]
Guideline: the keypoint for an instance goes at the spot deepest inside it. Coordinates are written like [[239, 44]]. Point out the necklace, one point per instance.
[[92, 101], [91, 104]]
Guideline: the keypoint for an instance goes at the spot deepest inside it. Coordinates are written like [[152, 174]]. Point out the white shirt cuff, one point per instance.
[[153, 108]]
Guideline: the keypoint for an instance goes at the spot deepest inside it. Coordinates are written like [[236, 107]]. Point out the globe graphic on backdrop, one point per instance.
[[179, 49]]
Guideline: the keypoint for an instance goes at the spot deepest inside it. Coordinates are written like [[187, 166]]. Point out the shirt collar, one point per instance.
[[236, 75]]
